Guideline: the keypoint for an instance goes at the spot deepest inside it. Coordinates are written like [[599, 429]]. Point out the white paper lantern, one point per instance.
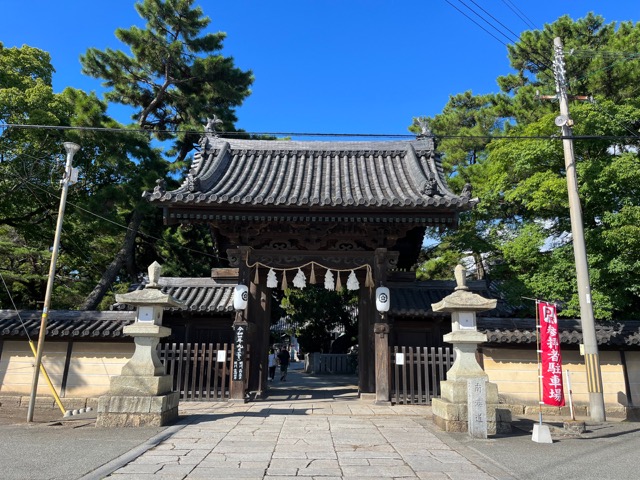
[[240, 297], [383, 300]]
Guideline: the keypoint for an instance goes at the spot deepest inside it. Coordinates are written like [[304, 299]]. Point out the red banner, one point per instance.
[[552, 391]]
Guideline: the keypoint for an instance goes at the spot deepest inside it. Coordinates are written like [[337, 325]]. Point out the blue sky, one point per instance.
[[327, 66]]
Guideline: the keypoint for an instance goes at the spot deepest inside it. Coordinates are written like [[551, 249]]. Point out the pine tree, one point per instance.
[[520, 231], [175, 77]]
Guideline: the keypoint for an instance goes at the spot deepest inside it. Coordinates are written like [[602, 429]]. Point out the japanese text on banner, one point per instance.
[[551, 362]]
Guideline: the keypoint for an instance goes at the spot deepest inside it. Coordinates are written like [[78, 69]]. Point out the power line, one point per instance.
[[487, 31], [146, 236], [586, 53], [537, 60], [511, 6], [534, 58], [358, 135], [515, 35]]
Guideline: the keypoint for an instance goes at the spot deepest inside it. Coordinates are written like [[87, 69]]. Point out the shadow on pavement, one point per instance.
[[306, 386]]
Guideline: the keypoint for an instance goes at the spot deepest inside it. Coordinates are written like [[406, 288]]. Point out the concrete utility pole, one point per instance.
[[69, 172], [591, 357]]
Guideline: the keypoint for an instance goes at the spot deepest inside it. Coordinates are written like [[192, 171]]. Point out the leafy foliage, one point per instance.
[[317, 312], [175, 77], [115, 168], [520, 232]]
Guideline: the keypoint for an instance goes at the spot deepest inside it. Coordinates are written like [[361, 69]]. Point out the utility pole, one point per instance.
[[591, 356], [70, 174]]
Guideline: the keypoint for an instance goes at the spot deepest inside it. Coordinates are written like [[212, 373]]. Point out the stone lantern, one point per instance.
[[468, 400], [142, 394]]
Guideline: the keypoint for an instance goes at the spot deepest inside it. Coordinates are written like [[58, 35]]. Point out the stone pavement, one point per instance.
[[308, 429], [313, 427]]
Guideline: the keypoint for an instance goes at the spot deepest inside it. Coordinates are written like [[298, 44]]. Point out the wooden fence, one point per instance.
[[330, 363], [200, 371], [416, 373]]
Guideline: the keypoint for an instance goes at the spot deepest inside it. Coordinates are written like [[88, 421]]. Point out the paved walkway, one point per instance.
[[306, 429], [309, 427]]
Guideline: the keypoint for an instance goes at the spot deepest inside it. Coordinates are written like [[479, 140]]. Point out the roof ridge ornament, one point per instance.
[[425, 131], [210, 127], [429, 187], [210, 132], [466, 191], [161, 186]]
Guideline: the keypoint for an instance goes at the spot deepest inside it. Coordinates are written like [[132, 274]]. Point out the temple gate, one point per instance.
[[349, 208]]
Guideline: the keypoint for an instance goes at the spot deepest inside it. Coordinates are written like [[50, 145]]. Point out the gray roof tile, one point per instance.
[[523, 331], [414, 299], [197, 294], [307, 174], [65, 323]]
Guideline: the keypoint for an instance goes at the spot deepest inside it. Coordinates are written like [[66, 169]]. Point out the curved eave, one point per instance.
[[180, 198]]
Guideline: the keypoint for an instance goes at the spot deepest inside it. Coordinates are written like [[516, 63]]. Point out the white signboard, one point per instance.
[[399, 358], [222, 356]]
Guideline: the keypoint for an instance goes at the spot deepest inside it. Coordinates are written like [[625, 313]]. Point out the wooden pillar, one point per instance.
[[266, 338], [381, 340], [381, 332], [237, 388], [241, 337]]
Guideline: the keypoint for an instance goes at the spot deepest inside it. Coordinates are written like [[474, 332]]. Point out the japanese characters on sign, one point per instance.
[[477, 407], [238, 354], [551, 359]]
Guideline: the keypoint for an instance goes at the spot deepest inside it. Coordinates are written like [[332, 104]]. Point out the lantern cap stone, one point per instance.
[[151, 294], [463, 300]]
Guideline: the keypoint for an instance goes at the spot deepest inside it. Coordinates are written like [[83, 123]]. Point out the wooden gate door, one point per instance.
[[416, 373], [201, 371]]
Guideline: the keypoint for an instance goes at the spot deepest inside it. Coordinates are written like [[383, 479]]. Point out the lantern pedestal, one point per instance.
[[451, 410], [142, 394]]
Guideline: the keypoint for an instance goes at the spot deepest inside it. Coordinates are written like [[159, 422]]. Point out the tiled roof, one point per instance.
[[414, 299], [352, 175], [197, 294], [65, 323], [523, 331]]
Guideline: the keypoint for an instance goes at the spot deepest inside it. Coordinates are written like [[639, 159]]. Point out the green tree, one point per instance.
[[30, 170], [175, 77], [316, 312], [521, 228]]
